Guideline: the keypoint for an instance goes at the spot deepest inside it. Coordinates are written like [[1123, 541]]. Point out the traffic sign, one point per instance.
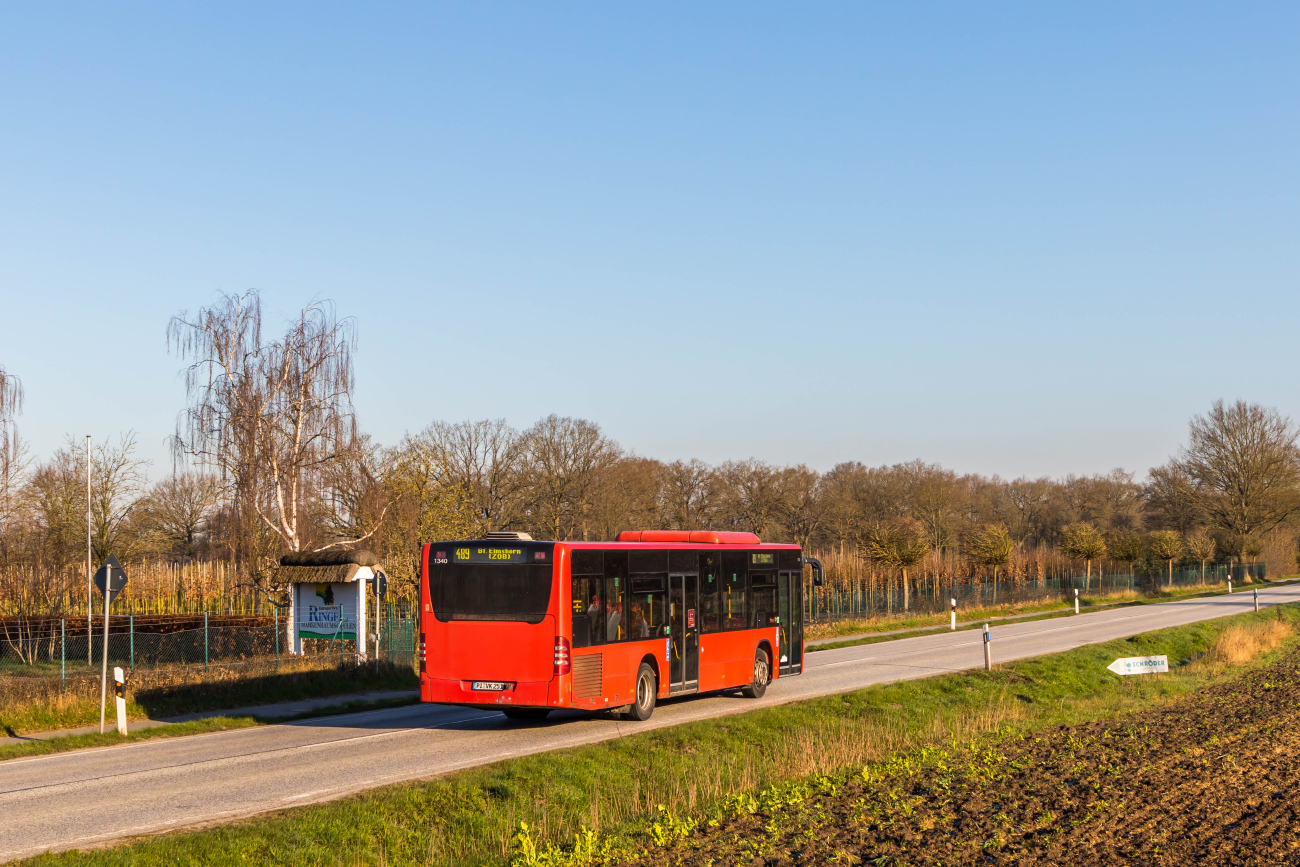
[[111, 575], [1139, 665]]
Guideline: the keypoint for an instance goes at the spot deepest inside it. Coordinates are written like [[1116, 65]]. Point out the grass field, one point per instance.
[[628, 797]]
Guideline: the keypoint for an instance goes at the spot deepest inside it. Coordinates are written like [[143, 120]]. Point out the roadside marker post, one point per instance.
[[952, 616], [1076, 600], [988, 648], [1229, 583], [110, 579], [119, 691], [1257, 599]]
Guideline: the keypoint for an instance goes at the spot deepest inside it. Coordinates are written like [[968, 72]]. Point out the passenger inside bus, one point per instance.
[[638, 628], [615, 623]]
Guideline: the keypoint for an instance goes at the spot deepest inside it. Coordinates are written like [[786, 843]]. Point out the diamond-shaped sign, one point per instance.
[[111, 575]]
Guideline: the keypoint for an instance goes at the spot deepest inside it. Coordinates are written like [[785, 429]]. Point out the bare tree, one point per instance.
[[1200, 546], [485, 462], [801, 504], [117, 488], [990, 545], [690, 494], [1165, 545], [1243, 468], [1124, 546], [174, 516], [1170, 500], [628, 498], [1083, 542], [12, 453], [269, 416], [750, 499], [899, 544], [566, 457]]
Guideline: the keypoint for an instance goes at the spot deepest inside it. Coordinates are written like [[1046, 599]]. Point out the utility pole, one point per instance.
[[89, 565]]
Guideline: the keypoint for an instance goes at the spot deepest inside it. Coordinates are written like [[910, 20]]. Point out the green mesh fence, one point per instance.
[[63, 647], [923, 595]]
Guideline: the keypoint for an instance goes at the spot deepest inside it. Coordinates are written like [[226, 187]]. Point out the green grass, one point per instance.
[[35, 705], [112, 738], [621, 786], [66, 743]]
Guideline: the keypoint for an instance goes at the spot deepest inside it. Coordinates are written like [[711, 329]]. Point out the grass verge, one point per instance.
[[191, 727], [111, 739], [618, 793], [30, 704]]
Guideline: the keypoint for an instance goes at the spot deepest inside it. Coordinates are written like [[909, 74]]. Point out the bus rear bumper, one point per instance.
[[520, 694]]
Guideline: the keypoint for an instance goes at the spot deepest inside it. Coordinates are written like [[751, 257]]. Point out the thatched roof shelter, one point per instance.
[[326, 567]]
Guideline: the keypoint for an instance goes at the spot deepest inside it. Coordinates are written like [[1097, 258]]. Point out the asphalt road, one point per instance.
[[90, 797]]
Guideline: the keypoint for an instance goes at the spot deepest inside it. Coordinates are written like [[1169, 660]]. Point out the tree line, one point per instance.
[[270, 458]]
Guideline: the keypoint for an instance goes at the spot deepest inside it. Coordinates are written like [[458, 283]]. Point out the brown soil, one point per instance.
[[1213, 778]]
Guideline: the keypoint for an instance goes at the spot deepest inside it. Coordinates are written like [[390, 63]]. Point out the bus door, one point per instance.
[[684, 633], [790, 606]]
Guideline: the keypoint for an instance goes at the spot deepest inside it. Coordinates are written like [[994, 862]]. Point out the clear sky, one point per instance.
[[1009, 238]]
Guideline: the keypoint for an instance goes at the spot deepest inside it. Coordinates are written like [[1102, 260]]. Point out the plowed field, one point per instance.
[[1213, 778]]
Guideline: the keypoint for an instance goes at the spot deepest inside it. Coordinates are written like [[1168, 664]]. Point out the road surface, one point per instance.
[[91, 797]]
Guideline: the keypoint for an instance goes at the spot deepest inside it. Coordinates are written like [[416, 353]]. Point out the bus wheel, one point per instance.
[[535, 713], [762, 676], [647, 687]]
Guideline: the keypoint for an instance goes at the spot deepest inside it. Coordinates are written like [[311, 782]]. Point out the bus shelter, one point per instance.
[[327, 596]]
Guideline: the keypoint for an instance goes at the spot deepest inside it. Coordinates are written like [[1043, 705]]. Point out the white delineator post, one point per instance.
[[1229, 583], [988, 649], [1076, 600], [103, 675], [119, 690], [1256, 599], [952, 616]]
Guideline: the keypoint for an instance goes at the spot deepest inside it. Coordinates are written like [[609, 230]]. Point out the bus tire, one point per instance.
[[762, 676], [647, 688], [529, 713]]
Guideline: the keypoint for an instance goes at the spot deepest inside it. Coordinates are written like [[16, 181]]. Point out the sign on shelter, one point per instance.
[[327, 595]]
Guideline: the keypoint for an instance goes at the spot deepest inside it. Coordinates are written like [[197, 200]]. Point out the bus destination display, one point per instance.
[[489, 554]]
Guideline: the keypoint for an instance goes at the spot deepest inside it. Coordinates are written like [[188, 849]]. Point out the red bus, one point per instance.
[[527, 627]]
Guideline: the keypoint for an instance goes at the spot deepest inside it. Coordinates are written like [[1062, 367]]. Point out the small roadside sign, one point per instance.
[[1139, 665], [111, 577]]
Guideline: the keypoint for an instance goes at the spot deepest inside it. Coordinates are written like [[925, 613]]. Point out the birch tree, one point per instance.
[[269, 416]]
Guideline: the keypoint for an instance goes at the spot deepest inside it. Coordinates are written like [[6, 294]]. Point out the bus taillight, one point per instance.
[[561, 655], [422, 653]]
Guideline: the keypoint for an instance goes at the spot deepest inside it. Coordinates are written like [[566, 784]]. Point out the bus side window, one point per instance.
[[762, 599], [735, 570], [709, 591], [578, 607], [649, 617], [615, 622], [615, 628]]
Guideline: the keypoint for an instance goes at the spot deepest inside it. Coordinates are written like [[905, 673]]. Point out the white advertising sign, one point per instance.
[[1139, 665], [327, 611]]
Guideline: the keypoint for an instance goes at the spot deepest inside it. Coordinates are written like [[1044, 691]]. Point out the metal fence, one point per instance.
[[55, 648], [925, 596]]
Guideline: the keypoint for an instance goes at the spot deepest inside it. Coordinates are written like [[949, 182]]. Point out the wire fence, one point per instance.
[[62, 647], [864, 600]]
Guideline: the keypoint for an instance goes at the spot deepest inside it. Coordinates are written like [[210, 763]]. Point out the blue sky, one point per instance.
[[1009, 238]]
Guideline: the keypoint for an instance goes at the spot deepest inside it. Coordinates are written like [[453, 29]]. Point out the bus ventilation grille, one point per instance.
[[588, 671], [510, 535]]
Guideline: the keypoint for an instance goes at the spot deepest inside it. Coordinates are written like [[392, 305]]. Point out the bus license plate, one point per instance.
[[489, 685]]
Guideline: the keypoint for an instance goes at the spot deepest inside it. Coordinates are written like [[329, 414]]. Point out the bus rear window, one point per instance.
[[516, 593]]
